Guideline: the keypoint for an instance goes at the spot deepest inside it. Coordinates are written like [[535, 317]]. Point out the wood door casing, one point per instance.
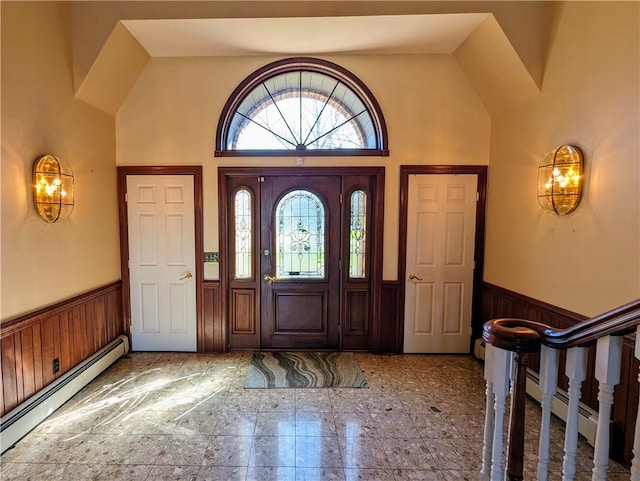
[[196, 172], [481, 172], [358, 299]]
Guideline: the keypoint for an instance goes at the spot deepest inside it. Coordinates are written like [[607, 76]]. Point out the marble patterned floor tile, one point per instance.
[[183, 449], [173, 473], [124, 472], [378, 401], [141, 448], [248, 400], [196, 422], [315, 424], [417, 475], [394, 425], [52, 472], [319, 474], [356, 474], [317, 452], [273, 451], [228, 451], [313, 400], [408, 453], [183, 416], [275, 423], [435, 426], [363, 453], [454, 454], [278, 400], [270, 473], [222, 473], [355, 425], [453, 475], [236, 423]]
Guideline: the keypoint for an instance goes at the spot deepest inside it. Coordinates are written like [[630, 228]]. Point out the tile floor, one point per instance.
[[181, 417]]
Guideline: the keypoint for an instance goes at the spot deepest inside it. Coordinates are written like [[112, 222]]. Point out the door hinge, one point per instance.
[[341, 198], [474, 265], [477, 196], [126, 196], [260, 179], [130, 328]]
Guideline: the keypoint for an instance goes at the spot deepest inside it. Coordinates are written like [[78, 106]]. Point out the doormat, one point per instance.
[[304, 369]]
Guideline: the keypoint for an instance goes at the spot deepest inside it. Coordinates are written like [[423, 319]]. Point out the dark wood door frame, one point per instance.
[[378, 207], [196, 172], [481, 172]]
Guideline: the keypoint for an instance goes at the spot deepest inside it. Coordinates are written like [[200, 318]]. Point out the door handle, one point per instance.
[[186, 276], [269, 278], [414, 277]]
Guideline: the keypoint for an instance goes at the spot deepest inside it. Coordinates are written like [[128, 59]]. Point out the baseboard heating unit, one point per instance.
[[587, 417], [26, 416]]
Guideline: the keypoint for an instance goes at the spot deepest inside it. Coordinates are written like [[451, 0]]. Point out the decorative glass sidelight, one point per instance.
[[300, 236], [243, 234], [357, 235]]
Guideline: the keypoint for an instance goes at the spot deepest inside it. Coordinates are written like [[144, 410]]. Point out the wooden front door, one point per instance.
[[300, 258], [300, 245]]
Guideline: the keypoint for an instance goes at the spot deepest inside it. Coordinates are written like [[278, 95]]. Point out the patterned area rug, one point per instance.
[[304, 369]]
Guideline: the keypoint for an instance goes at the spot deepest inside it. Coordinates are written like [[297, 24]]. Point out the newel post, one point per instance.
[[515, 451], [516, 336]]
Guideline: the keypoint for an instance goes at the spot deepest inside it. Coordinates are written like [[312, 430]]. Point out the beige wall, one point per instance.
[[433, 117], [588, 261], [45, 263]]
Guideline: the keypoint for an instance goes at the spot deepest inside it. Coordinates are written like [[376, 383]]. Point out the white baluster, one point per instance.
[[501, 377], [608, 360], [548, 385], [576, 370], [487, 442], [635, 462]]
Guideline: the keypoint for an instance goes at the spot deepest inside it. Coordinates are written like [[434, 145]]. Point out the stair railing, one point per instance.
[[509, 344]]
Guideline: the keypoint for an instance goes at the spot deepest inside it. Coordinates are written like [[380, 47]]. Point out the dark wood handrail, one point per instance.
[[521, 335], [524, 337]]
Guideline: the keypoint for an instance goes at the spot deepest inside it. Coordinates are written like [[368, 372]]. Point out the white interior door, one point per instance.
[[161, 226], [440, 261]]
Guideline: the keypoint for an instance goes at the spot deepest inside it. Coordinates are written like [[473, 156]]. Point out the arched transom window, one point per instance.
[[301, 107]]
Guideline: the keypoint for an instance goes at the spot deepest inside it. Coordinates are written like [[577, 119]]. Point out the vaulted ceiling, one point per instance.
[[500, 74]]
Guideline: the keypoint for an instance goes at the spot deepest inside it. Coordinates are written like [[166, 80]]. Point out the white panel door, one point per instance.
[[161, 226], [440, 261]]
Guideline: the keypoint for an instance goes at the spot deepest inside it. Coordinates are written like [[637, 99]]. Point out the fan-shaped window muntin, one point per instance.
[[301, 107]]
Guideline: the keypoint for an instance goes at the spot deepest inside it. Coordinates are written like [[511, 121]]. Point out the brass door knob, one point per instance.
[[414, 277], [188, 275]]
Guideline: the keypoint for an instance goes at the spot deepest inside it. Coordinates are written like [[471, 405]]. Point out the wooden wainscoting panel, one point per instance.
[[390, 336], [214, 331], [9, 374], [69, 331], [356, 323], [498, 302]]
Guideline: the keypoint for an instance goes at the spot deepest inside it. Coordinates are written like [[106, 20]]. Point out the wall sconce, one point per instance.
[[560, 180], [52, 188]]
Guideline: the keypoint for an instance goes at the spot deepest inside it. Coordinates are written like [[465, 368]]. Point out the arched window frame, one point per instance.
[[304, 64]]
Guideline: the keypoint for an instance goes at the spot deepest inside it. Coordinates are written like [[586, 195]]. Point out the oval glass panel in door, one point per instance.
[[300, 236]]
